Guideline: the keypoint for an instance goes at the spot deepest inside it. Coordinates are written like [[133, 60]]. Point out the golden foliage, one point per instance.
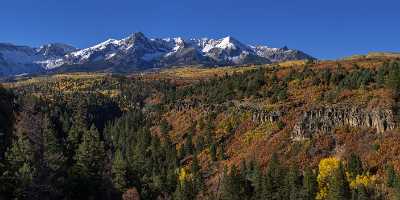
[[326, 167], [260, 132], [184, 175], [364, 180]]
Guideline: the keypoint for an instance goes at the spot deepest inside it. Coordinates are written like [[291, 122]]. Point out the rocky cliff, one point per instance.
[[325, 118]]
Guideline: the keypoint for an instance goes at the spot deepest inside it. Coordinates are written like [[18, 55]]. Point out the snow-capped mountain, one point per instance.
[[138, 52], [23, 59]]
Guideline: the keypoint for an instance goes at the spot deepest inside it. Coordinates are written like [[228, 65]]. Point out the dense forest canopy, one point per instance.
[[139, 137]]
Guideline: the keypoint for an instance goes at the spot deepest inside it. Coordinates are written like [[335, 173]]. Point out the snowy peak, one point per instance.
[[230, 43], [280, 54], [55, 50], [137, 52]]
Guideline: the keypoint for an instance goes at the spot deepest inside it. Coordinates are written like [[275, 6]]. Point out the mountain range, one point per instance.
[[138, 52]]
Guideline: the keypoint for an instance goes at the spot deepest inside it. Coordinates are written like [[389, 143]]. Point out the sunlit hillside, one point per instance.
[[160, 130]]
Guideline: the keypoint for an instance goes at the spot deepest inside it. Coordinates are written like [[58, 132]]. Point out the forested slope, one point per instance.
[[294, 130]]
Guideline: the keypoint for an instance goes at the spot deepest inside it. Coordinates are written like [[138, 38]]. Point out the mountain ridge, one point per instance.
[[138, 52]]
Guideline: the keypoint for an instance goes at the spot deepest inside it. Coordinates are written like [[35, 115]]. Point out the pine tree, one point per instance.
[[164, 127], [20, 158], [77, 130], [155, 151], [53, 156], [188, 145], [213, 152], [380, 77], [185, 189], [35, 158], [231, 186], [355, 165], [257, 183], [6, 122], [119, 171], [171, 180], [309, 187], [273, 179], [199, 144], [90, 158], [208, 132], [397, 188], [393, 79], [221, 153], [138, 156], [86, 176], [170, 153], [362, 193], [391, 176], [291, 186], [338, 186], [198, 182]]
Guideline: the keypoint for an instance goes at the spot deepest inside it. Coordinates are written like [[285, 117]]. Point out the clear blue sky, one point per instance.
[[322, 28]]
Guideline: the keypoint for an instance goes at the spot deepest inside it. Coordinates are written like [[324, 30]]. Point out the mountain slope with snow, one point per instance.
[[137, 52]]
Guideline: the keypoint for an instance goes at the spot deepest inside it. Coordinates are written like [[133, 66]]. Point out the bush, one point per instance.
[[131, 194]]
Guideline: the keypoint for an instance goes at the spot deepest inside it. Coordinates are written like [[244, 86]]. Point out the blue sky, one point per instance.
[[326, 29]]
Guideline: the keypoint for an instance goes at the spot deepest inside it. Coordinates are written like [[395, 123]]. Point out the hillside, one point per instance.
[[206, 133]]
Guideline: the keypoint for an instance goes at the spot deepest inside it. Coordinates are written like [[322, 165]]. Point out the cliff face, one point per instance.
[[325, 119], [258, 115], [262, 116]]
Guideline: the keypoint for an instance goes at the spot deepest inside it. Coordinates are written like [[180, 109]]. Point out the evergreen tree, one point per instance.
[[138, 157], [221, 153], [20, 158], [362, 193], [232, 185], [87, 174], [90, 156], [76, 132], [6, 122], [184, 191], [164, 127], [156, 157], [199, 144], [188, 145], [171, 154], [309, 186], [391, 176], [393, 79], [355, 165], [338, 186], [36, 158], [53, 156], [213, 152], [397, 189], [257, 183], [380, 77], [273, 179], [208, 132], [197, 177], [119, 171], [291, 185]]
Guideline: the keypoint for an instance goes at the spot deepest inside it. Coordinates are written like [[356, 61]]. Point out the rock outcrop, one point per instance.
[[325, 119], [260, 115], [184, 105], [265, 116]]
